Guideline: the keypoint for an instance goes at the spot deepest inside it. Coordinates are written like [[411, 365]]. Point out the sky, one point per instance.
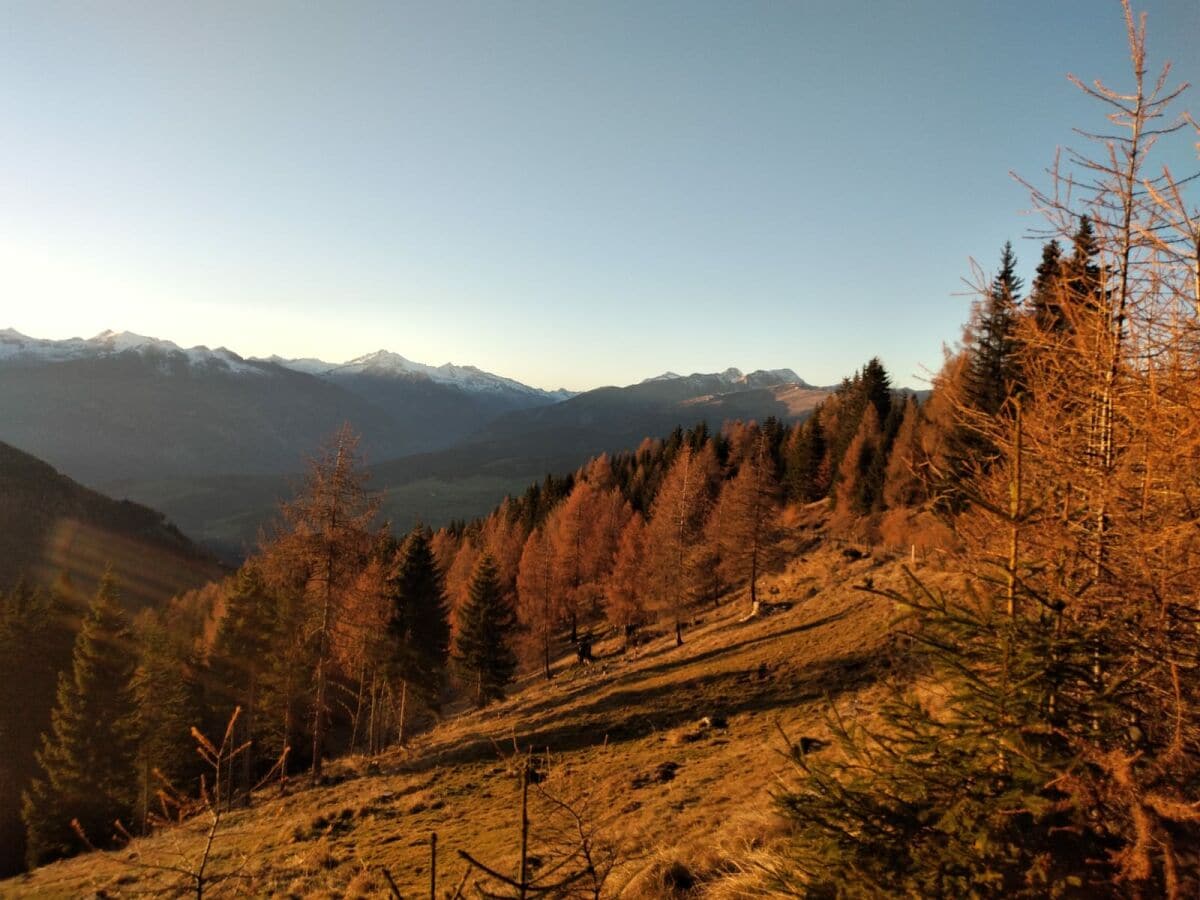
[[567, 193]]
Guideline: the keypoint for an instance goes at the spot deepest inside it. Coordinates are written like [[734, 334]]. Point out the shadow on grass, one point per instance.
[[681, 658], [626, 715]]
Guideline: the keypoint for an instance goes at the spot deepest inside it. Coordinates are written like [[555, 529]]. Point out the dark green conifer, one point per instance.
[[804, 466], [241, 655], [37, 630], [419, 626], [485, 624], [965, 797], [992, 375], [87, 758], [877, 387], [167, 704], [1079, 292], [1044, 299]]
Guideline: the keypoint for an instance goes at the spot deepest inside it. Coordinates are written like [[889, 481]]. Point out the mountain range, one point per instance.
[[215, 440]]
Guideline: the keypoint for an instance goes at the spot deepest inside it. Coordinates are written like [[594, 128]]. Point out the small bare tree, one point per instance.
[[192, 865], [575, 851]]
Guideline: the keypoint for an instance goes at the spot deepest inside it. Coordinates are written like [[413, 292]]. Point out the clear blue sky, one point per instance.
[[568, 193]]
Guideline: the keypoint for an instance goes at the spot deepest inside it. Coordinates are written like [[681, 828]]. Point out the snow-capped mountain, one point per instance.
[[17, 347], [122, 406], [734, 378], [384, 363]]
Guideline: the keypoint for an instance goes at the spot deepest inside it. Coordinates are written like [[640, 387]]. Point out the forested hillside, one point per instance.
[[52, 528], [940, 647]]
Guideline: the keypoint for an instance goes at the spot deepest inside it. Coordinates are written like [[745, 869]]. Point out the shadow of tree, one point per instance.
[[624, 715]]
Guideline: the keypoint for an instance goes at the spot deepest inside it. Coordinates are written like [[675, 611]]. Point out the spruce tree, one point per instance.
[[1081, 274], [36, 634], [992, 368], [804, 464], [485, 624], [877, 387], [1044, 299], [167, 700], [419, 623], [990, 375], [240, 657], [87, 758]]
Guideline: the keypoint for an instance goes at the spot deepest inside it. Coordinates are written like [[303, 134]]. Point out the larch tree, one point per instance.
[[328, 536], [87, 758], [904, 484], [538, 593], [853, 489], [676, 523], [749, 508], [1061, 758], [625, 595], [458, 577]]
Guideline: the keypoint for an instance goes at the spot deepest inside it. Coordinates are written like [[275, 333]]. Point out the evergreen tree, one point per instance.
[[485, 625], [419, 622], [990, 376], [1081, 273], [167, 702], [992, 368], [877, 387], [966, 797], [241, 652], [87, 758], [1044, 299], [806, 482], [36, 634]]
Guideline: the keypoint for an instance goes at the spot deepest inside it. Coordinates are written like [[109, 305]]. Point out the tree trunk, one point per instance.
[[248, 753], [322, 654], [403, 710]]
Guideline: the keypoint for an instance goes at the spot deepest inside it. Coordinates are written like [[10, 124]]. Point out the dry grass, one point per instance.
[[686, 804]]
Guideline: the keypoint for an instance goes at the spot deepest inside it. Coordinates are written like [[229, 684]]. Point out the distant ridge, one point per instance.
[[50, 526], [735, 378]]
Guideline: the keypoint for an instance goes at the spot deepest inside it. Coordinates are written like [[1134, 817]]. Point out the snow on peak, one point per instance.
[[735, 378], [468, 378], [308, 365], [19, 347], [123, 341]]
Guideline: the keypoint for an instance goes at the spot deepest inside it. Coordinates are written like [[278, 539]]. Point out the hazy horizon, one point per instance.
[[566, 195]]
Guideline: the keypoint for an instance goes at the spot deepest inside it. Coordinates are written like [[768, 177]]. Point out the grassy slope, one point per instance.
[[604, 726]]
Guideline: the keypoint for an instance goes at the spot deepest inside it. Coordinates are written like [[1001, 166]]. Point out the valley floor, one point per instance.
[[625, 745]]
